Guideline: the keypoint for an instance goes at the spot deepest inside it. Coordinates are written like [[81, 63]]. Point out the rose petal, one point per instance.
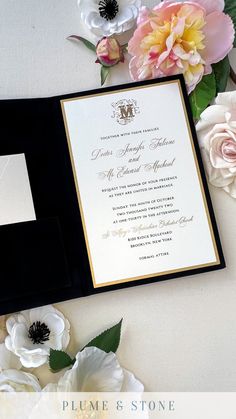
[[18, 381], [218, 27], [227, 99], [231, 189], [212, 115]]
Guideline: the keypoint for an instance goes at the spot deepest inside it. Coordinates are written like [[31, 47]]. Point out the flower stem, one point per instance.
[[232, 74]]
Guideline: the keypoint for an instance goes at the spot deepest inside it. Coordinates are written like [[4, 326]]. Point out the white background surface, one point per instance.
[[178, 335]]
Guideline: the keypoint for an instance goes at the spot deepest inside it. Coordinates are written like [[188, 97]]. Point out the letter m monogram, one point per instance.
[[126, 111]]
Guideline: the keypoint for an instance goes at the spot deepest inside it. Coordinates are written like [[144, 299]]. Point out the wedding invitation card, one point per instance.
[[141, 188]]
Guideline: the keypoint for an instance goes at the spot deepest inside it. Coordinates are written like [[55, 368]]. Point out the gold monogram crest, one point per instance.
[[125, 111]]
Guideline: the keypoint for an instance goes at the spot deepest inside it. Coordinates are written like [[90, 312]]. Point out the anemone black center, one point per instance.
[[108, 9], [39, 332]]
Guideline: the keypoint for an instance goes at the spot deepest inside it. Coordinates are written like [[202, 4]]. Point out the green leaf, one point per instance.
[[222, 72], [109, 340], [58, 360], [87, 43], [203, 94], [230, 9], [104, 74]]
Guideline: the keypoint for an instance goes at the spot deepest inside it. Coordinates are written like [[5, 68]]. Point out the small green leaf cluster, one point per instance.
[[108, 341]]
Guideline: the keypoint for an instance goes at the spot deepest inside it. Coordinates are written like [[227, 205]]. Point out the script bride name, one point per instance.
[[123, 171], [130, 149]]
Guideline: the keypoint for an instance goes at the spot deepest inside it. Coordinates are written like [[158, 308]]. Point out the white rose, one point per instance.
[[96, 371], [18, 381], [217, 136], [107, 17], [33, 332]]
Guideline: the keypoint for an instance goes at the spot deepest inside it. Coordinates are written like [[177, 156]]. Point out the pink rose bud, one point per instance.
[[109, 52]]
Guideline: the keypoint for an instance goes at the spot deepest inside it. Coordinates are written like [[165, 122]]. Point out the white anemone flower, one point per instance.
[[108, 17], [96, 371], [18, 381], [33, 332]]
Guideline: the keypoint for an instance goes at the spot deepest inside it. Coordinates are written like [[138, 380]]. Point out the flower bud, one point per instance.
[[109, 52]]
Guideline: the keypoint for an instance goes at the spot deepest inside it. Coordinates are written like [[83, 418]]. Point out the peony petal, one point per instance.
[[211, 5], [133, 68], [167, 8], [134, 43], [143, 16], [218, 26]]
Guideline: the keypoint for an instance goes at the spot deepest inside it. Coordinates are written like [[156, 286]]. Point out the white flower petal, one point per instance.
[[212, 115], [37, 314], [19, 381], [30, 361], [66, 335], [227, 99], [131, 384], [93, 371], [55, 323], [10, 323], [20, 336], [8, 343]]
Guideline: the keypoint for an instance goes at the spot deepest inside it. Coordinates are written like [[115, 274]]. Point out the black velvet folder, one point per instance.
[[45, 261]]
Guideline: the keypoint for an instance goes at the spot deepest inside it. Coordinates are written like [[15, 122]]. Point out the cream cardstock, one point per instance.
[[138, 183], [16, 203]]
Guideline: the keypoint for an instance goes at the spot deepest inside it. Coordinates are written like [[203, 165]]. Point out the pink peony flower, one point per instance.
[[180, 38], [109, 52]]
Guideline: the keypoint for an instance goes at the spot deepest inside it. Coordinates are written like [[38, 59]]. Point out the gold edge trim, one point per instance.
[[199, 175], [164, 273]]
